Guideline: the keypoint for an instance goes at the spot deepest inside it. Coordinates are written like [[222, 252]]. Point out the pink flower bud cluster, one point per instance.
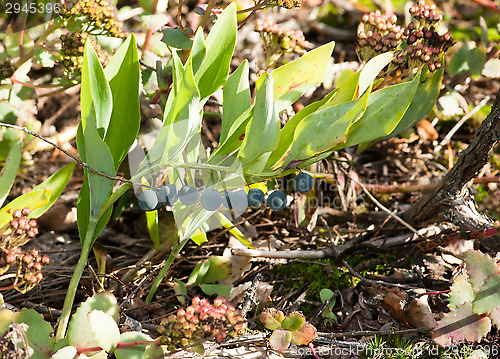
[[425, 46], [282, 39], [29, 264], [289, 4], [199, 321]]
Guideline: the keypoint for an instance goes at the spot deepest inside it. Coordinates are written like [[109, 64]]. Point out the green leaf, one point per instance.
[[476, 58], [104, 329], [236, 98], [293, 321], [262, 132], [460, 292], [328, 127], [371, 70], [221, 290], [487, 297], [177, 38], [154, 232], [271, 318], [293, 79], [461, 324], [138, 351], [9, 170], [6, 318], [199, 50], [220, 43], [211, 270], [56, 184], [325, 295], [423, 102], [31, 200], [123, 75], [95, 95], [385, 109], [79, 331], [234, 137], [38, 333], [479, 267]]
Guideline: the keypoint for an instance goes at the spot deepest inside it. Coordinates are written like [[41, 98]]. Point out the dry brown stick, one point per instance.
[[450, 200]]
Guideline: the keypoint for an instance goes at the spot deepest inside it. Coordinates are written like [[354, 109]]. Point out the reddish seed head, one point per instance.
[[26, 212], [45, 260]]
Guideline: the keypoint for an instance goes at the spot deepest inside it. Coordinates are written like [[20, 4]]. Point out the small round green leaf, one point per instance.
[[105, 330]]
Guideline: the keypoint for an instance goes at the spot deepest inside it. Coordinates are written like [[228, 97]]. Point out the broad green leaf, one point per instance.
[[6, 318], [199, 50], [271, 318], [461, 324], [235, 136], [13, 41], [138, 351], [123, 75], [476, 58], [325, 129], [177, 38], [210, 270], [221, 290], [31, 200], [152, 224], [460, 292], [293, 321], [9, 170], [56, 184], [262, 132], [104, 329], [220, 43], [479, 267], [488, 296], [79, 332], [95, 95], [345, 93], [385, 109], [38, 333], [236, 98], [371, 70], [423, 102], [299, 74]]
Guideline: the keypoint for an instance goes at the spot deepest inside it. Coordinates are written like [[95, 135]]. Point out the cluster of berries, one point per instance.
[[29, 264], [201, 320], [72, 49], [380, 33], [289, 4], [98, 14], [6, 69], [281, 40], [211, 199]]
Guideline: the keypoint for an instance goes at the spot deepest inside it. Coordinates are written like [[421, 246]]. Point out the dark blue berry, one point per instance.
[[303, 182], [255, 197], [188, 195], [236, 200], [170, 193], [148, 200], [211, 199], [276, 200]]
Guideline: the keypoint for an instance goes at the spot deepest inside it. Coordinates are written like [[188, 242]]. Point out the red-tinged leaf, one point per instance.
[[479, 267], [488, 296], [460, 292], [271, 318], [293, 321], [280, 340], [461, 324], [304, 335]]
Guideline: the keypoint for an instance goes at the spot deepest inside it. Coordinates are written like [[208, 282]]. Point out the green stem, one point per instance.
[[75, 280], [175, 252], [206, 15]]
